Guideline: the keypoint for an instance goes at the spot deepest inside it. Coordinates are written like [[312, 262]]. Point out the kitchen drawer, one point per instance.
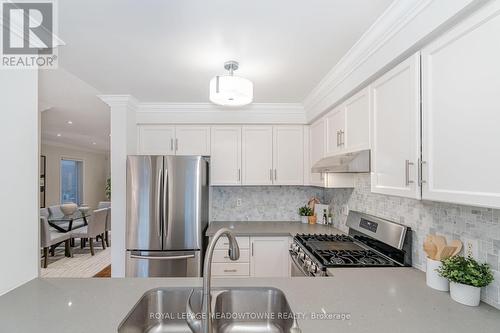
[[223, 257], [231, 269], [243, 243]]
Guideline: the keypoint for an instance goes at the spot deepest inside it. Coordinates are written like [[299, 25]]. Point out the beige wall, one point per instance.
[[95, 172]]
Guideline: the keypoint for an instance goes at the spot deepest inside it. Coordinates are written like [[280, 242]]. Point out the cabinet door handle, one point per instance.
[[271, 174], [251, 248], [338, 138], [176, 144], [230, 271], [342, 137], [407, 173], [171, 144], [239, 175], [275, 174], [420, 172]]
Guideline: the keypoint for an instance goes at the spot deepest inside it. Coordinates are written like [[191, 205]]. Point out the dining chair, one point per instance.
[[50, 237], [96, 227], [56, 211], [104, 204], [108, 227]]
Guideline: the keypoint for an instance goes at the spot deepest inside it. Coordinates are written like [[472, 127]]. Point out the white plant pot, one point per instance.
[[465, 294], [432, 277], [304, 219]]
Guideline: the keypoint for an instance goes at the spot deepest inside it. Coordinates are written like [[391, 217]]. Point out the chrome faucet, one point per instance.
[[205, 324]]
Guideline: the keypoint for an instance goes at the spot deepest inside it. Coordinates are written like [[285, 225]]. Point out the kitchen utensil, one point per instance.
[[430, 248], [458, 245], [440, 242], [446, 252]]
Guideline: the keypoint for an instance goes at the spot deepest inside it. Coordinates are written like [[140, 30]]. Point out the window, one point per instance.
[[71, 181]]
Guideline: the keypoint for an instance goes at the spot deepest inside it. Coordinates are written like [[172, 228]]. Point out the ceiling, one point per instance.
[[167, 51], [64, 97]]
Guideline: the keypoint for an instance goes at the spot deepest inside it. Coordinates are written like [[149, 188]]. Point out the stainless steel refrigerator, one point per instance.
[[167, 215]]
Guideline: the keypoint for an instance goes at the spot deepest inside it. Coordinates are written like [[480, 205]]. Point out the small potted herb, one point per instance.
[[305, 212], [466, 277]]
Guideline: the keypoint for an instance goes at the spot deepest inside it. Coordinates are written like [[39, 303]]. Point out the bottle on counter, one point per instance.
[[330, 218], [325, 217]]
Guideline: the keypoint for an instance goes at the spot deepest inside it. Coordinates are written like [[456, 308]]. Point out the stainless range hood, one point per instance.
[[355, 162]]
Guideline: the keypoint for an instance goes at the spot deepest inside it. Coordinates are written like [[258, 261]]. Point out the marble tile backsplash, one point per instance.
[[451, 220], [280, 203], [260, 203]]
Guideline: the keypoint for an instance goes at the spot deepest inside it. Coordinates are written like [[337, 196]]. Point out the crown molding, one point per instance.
[[256, 113], [209, 107], [397, 15], [397, 33], [114, 101]]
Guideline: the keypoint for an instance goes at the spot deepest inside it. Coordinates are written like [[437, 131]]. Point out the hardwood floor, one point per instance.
[[105, 273]]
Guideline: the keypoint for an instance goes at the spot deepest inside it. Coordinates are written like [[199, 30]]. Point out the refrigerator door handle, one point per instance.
[[165, 200], [187, 256], [158, 199]]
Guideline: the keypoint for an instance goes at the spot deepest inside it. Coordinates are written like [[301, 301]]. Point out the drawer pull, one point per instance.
[[230, 271]]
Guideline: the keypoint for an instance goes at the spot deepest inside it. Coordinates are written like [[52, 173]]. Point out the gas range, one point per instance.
[[370, 242]]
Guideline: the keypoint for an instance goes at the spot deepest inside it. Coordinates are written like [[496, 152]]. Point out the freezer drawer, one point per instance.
[[164, 264]]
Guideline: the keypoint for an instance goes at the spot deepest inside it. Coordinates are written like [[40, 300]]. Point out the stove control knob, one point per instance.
[[302, 255], [313, 268], [307, 263]]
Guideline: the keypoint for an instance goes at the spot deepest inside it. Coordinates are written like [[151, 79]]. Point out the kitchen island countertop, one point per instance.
[[270, 228], [361, 299]]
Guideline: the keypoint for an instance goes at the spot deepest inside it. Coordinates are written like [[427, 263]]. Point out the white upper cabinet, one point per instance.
[[192, 140], [395, 130], [173, 140], [348, 125], [356, 135], [257, 151], [288, 155], [226, 155], [156, 139], [335, 129], [317, 147], [461, 114]]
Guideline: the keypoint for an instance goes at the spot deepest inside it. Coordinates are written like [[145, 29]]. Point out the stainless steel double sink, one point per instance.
[[235, 310]]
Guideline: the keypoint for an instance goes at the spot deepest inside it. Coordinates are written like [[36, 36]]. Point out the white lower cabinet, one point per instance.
[[259, 257], [269, 257]]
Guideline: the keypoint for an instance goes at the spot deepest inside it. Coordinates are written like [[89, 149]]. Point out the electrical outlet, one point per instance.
[[238, 202], [471, 248], [345, 210]]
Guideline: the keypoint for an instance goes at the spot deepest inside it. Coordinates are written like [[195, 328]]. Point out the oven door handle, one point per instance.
[[298, 265]]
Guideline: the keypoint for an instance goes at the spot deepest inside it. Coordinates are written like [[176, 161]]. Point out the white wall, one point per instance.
[[96, 169], [123, 143], [19, 223]]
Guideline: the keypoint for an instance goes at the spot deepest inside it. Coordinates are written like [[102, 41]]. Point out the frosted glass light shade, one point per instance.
[[231, 90]]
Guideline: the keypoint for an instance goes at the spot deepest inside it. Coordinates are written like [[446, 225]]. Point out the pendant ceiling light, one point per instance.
[[230, 90]]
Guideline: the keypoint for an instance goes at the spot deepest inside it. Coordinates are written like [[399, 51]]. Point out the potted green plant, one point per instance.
[[107, 188], [305, 212], [466, 277]]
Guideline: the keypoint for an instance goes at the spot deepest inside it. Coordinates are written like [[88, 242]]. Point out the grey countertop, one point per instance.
[[271, 228], [376, 300]]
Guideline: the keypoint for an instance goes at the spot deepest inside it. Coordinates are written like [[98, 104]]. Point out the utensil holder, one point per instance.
[[433, 279]]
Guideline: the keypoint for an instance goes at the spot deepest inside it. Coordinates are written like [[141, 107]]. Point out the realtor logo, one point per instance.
[[28, 35]]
